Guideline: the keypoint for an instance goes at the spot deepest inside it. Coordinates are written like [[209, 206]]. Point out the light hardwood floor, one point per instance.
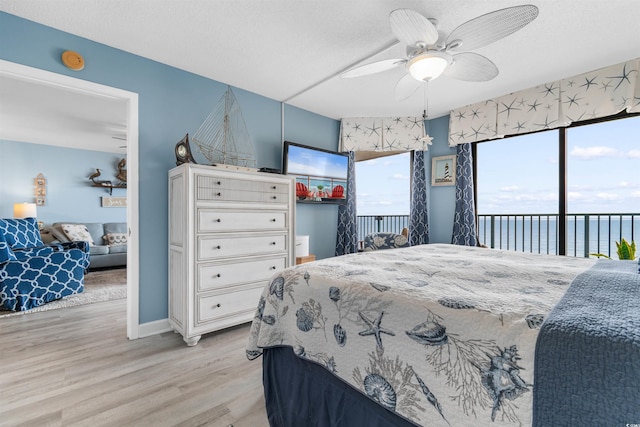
[[75, 367]]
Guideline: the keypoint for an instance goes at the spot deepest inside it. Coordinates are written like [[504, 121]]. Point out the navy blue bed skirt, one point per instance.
[[301, 393]]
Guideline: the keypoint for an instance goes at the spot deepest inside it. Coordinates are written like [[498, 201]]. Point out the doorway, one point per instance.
[[129, 101]]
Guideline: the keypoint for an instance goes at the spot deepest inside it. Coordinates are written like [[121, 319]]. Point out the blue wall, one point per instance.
[[442, 200], [172, 102], [319, 222], [70, 196]]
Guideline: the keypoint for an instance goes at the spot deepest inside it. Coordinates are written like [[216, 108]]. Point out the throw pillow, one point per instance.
[[115, 239], [21, 233], [77, 232], [58, 234]]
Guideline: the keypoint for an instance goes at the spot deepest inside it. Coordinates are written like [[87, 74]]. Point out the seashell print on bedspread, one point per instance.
[[439, 334]]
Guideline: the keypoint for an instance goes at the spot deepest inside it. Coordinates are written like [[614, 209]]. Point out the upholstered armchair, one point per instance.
[[31, 273], [377, 241]]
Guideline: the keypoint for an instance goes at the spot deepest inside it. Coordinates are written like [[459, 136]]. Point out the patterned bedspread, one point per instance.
[[440, 334]]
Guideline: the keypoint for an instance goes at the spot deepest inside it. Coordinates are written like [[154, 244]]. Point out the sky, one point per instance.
[[304, 161], [520, 175], [382, 185]]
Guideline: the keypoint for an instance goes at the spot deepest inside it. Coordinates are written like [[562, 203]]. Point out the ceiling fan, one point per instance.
[[430, 54]]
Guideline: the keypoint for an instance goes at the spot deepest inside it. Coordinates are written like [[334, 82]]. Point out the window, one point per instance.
[[518, 192], [518, 175], [603, 162], [517, 184], [383, 194], [602, 178]]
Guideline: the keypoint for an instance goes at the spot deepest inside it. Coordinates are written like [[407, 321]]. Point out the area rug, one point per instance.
[[99, 286]]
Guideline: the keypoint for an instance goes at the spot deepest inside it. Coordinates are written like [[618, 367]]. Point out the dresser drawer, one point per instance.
[[210, 220], [226, 189], [218, 306], [213, 276], [242, 196], [212, 247]]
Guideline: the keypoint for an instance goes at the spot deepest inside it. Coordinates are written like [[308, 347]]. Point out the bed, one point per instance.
[[449, 335]]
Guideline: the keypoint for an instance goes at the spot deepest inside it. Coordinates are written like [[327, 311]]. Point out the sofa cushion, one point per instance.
[[20, 233], [47, 236], [115, 227], [78, 232], [119, 249], [96, 230], [99, 250], [57, 233]]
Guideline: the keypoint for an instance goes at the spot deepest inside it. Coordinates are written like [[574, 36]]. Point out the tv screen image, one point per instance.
[[321, 175]]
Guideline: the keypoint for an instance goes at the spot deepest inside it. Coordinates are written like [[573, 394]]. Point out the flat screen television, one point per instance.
[[321, 175]]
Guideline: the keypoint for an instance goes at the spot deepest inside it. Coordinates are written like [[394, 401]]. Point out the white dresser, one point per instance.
[[229, 232]]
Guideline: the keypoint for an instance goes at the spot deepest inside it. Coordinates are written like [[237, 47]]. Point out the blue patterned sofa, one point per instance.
[[31, 273], [377, 241]]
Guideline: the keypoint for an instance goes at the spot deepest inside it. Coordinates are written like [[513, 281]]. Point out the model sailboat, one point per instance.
[[223, 137]]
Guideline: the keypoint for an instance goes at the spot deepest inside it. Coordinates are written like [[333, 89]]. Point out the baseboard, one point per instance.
[[153, 328]]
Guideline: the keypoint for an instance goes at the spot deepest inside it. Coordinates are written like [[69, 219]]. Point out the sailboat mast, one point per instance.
[[226, 131]]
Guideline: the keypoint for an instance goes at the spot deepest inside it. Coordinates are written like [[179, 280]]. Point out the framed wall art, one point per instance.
[[443, 171], [40, 189]]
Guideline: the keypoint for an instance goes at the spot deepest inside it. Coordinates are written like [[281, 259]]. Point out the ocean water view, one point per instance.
[[539, 233], [536, 233]]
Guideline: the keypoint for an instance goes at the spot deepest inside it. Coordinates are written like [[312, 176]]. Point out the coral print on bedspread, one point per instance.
[[438, 334]]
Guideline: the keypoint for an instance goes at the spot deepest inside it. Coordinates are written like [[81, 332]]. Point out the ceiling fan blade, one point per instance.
[[490, 27], [471, 67], [372, 68], [412, 29], [406, 87]]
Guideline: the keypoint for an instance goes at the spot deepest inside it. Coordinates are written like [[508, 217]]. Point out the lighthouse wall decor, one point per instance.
[[443, 171]]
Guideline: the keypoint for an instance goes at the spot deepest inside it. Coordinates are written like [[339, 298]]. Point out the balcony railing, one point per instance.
[[535, 233], [376, 223], [586, 233]]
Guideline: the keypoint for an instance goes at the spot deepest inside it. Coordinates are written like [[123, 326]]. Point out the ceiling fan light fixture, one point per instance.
[[428, 65]]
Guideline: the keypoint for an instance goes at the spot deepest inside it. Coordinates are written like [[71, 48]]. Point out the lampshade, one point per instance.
[[24, 210], [429, 65]]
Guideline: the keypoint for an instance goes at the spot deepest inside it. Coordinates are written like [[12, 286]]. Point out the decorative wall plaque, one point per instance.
[[114, 202], [40, 189]]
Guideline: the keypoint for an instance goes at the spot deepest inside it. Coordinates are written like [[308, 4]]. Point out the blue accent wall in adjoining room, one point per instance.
[[172, 103], [69, 194]]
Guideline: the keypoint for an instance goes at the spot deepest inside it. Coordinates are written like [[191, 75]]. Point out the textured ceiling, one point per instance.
[[291, 50]]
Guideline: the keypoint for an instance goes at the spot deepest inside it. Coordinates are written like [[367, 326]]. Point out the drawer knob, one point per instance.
[[217, 275], [217, 305], [218, 220], [273, 220], [218, 183], [273, 187], [273, 267], [273, 197], [217, 247], [273, 243], [218, 194]]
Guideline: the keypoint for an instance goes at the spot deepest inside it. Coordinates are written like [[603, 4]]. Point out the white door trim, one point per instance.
[[131, 99]]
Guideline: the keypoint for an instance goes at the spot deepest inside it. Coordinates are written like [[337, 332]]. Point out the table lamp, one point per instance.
[[25, 210]]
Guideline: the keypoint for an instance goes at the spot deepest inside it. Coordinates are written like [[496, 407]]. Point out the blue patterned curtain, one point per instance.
[[464, 222], [418, 215], [347, 238]]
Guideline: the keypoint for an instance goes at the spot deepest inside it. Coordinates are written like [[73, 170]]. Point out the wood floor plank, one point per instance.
[[75, 367]]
